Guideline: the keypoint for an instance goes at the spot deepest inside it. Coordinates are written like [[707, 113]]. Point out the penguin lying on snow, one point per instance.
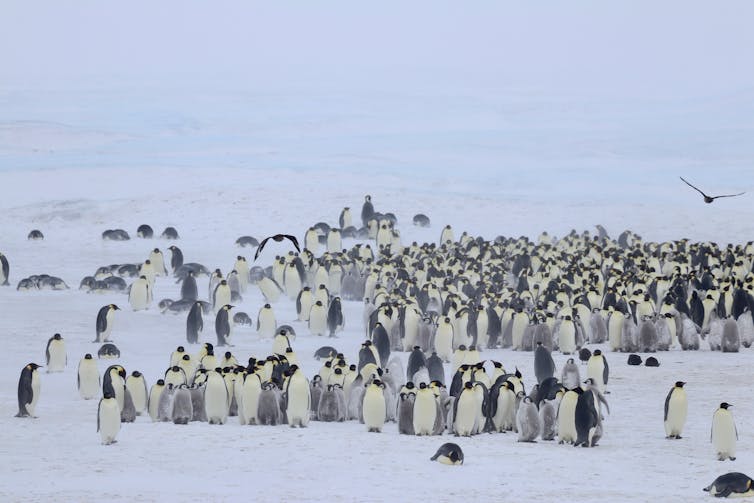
[[448, 454], [731, 483]]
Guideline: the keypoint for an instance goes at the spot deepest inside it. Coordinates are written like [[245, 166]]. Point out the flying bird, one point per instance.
[[709, 199], [278, 238]]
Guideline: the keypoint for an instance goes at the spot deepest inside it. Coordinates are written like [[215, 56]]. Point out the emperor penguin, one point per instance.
[[503, 404], [270, 289], [216, 401], [465, 411], [158, 262], [88, 378], [108, 419], [154, 398], [297, 398], [292, 283], [367, 210], [176, 257], [28, 390], [570, 376], [221, 296], [425, 411], [446, 235], [731, 484], [266, 323], [114, 382], [527, 421], [165, 404], [311, 240], [280, 343], [4, 270], [252, 389], [104, 324], [587, 420], [176, 376], [544, 366], [567, 336], [676, 408], [304, 302], [140, 294], [242, 267], [444, 339], [597, 369], [448, 454], [548, 417], [137, 386], [374, 407], [189, 290], [345, 219], [331, 406], [335, 319], [724, 433], [334, 241], [194, 323], [223, 325], [567, 415], [128, 413], [55, 353], [318, 319], [183, 409], [269, 412]]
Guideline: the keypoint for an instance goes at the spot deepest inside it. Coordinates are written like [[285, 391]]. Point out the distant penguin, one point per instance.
[[544, 366], [724, 433], [154, 398], [465, 409], [269, 412], [421, 220], [158, 262], [194, 323], [448, 454], [104, 324], [652, 362], [114, 381], [527, 421], [416, 362], [297, 398], [28, 390], [335, 317], [318, 319], [266, 323], [251, 390], [169, 233], [634, 359], [374, 406], [165, 403], [183, 409], [140, 294], [128, 413], [570, 376], [176, 257], [331, 406], [381, 342], [406, 403], [425, 411], [137, 387], [367, 211], [435, 368], [189, 290], [88, 379], [216, 400], [731, 341], [108, 419], [108, 350], [731, 484], [676, 408], [584, 355], [548, 419], [597, 369], [223, 324], [55, 353], [145, 231], [222, 295], [4, 270]]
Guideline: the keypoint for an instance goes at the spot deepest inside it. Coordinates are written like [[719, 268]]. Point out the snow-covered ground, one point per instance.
[[497, 119]]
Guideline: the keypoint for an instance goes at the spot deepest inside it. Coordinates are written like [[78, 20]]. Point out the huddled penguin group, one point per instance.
[[441, 305]]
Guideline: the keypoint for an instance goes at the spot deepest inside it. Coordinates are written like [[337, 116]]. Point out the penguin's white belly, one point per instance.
[[267, 325], [614, 330], [222, 297], [677, 410], [89, 381], [216, 401], [724, 435], [298, 402], [252, 388], [57, 357], [425, 411], [595, 370], [517, 331], [109, 421], [138, 297], [567, 339], [318, 321], [139, 396], [31, 407], [154, 400], [444, 343], [466, 414], [567, 420], [374, 410]]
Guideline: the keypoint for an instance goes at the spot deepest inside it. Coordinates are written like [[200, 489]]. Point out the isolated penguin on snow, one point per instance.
[[104, 324], [28, 390]]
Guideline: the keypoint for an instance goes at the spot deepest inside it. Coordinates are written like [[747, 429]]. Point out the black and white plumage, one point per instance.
[[278, 238]]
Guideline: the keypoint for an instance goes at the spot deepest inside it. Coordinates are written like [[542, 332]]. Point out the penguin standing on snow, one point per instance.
[[724, 433], [223, 325], [88, 378], [105, 322], [374, 408], [676, 408], [55, 353], [28, 390], [194, 323], [335, 317], [108, 418], [597, 369]]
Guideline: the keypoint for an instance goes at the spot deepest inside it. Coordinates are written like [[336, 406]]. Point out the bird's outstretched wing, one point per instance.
[[278, 238], [696, 189], [730, 195]]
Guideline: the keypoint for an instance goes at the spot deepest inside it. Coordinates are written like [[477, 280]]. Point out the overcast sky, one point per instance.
[[619, 47]]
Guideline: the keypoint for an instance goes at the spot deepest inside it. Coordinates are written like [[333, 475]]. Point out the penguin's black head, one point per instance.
[[597, 352], [186, 358], [679, 384], [113, 306], [725, 405], [228, 355], [107, 395], [161, 382], [422, 385], [180, 349], [468, 385], [136, 373], [57, 337], [32, 366], [410, 385], [175, 368], [88, 356]]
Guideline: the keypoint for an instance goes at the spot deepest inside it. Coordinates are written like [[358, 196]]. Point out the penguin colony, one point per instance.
[[443, 304]]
